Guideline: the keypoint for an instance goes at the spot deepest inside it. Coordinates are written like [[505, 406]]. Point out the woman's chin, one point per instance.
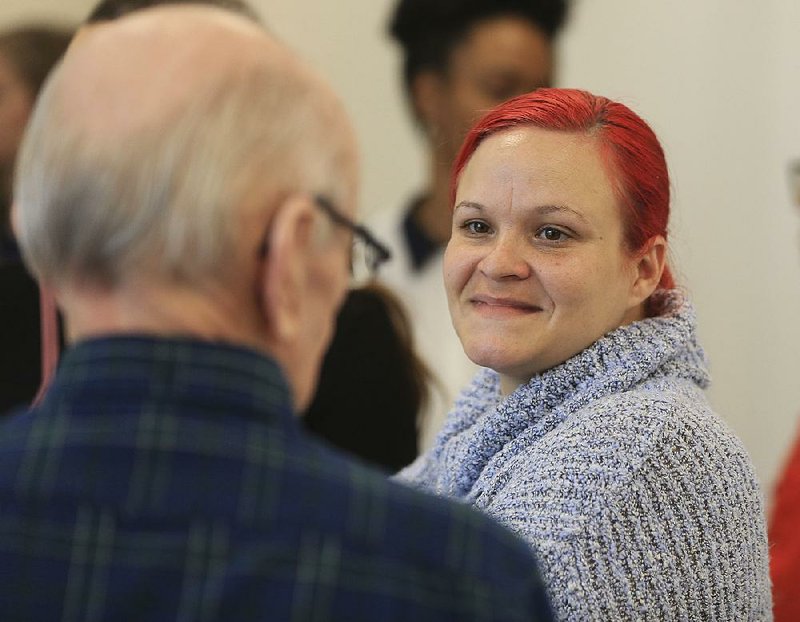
[[498, 360]]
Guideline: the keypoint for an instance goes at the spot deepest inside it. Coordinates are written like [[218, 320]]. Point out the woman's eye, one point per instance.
[[476, 227], [552, 234]]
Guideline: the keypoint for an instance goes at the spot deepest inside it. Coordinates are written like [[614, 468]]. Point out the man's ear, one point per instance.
[[284, 275], [426, 96], [649, 268]]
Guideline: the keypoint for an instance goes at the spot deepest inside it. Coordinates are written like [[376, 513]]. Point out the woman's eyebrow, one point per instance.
[[543, 210], [560, 209], [470, 204]]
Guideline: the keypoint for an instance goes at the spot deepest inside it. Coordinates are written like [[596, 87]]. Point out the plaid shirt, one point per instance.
[[168, 480]]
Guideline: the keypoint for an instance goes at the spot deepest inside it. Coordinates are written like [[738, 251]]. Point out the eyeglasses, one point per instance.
[[368, 253]]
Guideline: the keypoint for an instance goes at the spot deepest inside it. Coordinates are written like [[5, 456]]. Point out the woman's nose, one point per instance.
[[506, 259]]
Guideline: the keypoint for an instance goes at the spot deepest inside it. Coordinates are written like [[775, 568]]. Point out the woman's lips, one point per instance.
[[500, 305]]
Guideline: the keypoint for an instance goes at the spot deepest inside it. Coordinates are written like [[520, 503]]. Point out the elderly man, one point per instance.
[[186, 186]]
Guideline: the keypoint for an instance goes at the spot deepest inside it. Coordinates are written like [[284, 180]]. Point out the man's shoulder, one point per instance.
[[422, 539], [605, 454], [281, 502], [255, 477], [412, 523]]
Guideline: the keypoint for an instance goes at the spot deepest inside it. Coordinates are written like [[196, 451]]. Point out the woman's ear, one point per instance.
[[649, 268], [283, 278]]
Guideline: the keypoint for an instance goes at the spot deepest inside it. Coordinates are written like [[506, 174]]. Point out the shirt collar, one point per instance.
[[205, 376]]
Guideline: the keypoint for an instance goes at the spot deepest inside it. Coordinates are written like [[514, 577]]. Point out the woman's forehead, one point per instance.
[[528, 155]]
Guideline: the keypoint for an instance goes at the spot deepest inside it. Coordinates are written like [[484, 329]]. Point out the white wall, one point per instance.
[[67, 11], [718, 81]]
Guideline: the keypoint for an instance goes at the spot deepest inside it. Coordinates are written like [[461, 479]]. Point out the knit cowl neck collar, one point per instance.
[[483, 423]]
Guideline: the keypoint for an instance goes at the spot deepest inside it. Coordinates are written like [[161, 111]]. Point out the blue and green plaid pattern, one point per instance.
[[168, 480]]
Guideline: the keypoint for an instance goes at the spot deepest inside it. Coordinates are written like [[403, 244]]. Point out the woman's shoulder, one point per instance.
[[625, 440], [649, 479], [660, 415]]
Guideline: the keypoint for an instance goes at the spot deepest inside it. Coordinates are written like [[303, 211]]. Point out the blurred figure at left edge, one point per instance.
[[27, 53]]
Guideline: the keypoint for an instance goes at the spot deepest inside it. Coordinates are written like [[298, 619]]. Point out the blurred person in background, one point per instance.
[[460, 58], [784, 540], [27, 54], [372, 385], [784, 526]]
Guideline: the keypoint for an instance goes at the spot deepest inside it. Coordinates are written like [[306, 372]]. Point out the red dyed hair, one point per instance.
[[633, 156]]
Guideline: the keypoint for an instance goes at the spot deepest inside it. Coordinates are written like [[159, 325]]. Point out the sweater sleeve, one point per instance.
[[641, 518]]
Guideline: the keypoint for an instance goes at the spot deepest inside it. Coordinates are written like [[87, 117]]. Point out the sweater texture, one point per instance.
[[640, 503]]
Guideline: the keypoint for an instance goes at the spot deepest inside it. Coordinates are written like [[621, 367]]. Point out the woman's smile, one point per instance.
[[501, 307]]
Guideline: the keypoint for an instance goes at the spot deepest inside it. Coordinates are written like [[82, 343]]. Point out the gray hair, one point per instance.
[[164, 200]]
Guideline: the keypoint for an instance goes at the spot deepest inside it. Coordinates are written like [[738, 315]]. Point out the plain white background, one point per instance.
[[719, 82]]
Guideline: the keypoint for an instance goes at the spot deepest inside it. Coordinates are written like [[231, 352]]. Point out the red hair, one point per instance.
[[633, 156]]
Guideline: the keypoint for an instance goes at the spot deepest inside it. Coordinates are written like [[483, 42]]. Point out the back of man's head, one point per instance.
[[149, 141]]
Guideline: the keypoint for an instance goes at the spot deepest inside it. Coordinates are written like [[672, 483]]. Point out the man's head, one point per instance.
[[172, 163]]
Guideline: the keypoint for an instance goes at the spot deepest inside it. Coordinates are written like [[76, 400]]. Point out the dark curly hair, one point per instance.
[[428, 30]]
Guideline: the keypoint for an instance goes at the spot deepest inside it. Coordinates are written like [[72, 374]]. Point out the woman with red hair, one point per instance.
[[589, 432]]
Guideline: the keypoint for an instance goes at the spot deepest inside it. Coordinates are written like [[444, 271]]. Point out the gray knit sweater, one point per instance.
[[640, 503]]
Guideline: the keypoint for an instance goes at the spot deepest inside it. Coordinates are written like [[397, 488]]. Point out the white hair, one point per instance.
[[164, 199]]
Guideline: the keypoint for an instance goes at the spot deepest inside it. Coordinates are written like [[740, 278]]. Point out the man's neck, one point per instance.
[[152, 310]]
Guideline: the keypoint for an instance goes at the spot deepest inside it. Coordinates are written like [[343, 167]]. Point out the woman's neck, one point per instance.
[[509, 384]]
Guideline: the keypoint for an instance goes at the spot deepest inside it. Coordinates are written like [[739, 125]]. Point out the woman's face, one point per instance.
[[536, 269]]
